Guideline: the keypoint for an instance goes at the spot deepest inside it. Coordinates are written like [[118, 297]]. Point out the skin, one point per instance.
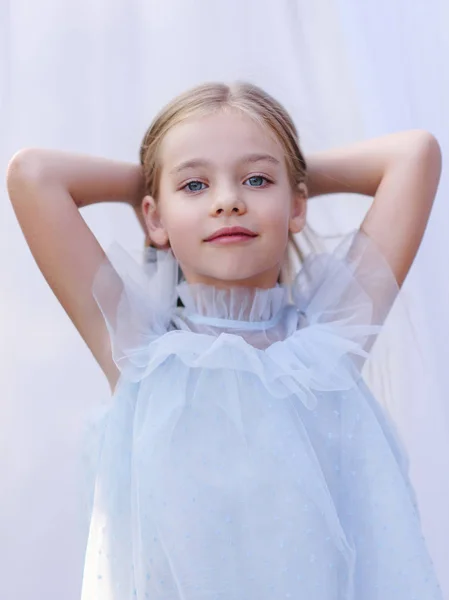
[[236, 176], [47, 188]]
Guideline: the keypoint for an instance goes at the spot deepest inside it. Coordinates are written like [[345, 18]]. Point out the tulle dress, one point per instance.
[[243, 456]]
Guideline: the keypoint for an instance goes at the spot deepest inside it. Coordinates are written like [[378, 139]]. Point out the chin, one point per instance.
[[249, 271], [242, 277]]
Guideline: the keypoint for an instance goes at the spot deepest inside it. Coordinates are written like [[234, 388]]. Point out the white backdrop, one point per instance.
[[88, 75]]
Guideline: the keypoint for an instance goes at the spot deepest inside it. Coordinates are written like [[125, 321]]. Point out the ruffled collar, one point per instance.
[[251, 308], [206, 306]]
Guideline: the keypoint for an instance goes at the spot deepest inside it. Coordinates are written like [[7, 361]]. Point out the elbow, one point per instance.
[[427, 143], [24, 167], [24, 173], [427, 150], [23, 161], [434, 156]]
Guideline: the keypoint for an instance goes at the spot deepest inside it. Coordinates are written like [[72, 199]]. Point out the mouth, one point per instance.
[[231, 234]]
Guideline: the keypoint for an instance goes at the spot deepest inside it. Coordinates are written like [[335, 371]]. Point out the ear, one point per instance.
[[299, 208], [156, 230]]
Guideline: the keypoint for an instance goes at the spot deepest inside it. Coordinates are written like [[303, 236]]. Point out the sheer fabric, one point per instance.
[[243, 455]]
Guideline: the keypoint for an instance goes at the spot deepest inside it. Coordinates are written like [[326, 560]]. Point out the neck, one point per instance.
[[265, 280]]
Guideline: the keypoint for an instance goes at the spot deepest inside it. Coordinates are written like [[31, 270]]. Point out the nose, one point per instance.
[[227, 203]]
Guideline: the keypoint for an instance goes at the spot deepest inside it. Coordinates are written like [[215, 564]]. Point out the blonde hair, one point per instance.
[[252, 101]]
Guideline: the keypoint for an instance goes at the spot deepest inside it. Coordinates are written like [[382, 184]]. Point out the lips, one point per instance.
[[231, 232]]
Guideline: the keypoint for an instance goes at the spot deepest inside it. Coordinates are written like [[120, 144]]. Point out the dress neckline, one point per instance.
[[235, 307]]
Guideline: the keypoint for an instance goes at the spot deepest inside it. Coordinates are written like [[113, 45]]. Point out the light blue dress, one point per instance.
[[243, 457]]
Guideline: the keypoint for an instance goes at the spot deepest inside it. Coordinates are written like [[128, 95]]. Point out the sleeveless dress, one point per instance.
[[243, 457]]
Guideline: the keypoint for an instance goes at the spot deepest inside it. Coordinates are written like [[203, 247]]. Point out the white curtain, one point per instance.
[[88, 75]]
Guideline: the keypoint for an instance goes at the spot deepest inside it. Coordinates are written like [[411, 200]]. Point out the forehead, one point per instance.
[[220, 138]]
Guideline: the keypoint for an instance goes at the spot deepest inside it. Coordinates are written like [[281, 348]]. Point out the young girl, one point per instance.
[[243, 456]]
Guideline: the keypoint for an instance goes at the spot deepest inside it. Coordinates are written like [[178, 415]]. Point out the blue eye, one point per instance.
[[194, 186], [257, 181]]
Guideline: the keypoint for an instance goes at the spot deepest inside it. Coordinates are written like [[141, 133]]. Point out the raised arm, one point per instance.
[[47, 189], [402, 172]]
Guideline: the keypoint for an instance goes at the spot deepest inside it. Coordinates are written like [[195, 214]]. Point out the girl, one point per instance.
[[243, 456]]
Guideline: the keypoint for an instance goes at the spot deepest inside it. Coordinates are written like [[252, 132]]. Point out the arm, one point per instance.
[[47, 189], [88, 179], [401, 171]]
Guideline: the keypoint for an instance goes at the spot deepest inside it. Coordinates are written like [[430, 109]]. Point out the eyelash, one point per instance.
[[266, 179]]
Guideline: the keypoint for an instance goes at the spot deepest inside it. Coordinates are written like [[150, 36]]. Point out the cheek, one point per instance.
[[275, 216], [183, 228], [181, 222]]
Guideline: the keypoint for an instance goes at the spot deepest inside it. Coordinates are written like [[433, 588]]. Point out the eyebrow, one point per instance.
[[249, 158]]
